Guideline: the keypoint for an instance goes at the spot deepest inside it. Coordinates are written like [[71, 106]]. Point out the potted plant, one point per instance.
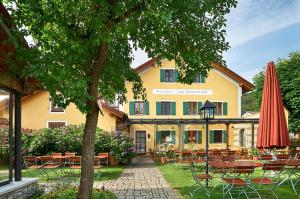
[[254, 153]]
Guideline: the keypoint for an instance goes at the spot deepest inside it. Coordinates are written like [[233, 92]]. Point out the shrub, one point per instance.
[[69, 139], [4, 145]]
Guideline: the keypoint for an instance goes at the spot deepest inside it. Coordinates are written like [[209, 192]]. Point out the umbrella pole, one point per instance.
[[206, 153]]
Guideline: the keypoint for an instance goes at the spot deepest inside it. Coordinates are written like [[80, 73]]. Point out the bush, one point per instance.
[[69, 139], [4, 145]]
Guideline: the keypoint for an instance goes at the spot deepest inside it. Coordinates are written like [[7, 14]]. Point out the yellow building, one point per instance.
[[39, 111], [170, 113]]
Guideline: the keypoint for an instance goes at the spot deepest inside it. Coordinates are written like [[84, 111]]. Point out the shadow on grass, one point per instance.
[[44, 175]]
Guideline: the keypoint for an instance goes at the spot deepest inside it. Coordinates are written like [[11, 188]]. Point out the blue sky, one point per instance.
[[258, 31]]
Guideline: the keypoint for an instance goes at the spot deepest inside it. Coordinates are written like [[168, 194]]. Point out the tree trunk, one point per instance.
[[87, 161], [88, 145]]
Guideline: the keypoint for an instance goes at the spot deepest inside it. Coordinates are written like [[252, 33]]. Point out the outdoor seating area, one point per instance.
[[236, 174], [58, 162]]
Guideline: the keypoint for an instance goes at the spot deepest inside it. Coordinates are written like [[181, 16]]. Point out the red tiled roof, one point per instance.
[[246, 85], [113, 110]]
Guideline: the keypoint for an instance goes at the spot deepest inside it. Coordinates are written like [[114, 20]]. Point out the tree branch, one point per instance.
[[129, 12]]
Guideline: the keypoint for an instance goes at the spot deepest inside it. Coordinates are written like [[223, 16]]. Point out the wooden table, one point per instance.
[[230, 165]]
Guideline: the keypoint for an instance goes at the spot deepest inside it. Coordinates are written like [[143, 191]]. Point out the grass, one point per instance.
[[71, 193], [106, 173], [181, 180]]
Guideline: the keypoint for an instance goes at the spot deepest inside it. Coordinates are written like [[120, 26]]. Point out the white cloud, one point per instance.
[[255, 18]]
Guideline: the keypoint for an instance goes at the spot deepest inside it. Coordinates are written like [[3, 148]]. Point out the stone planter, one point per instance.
[[255, 158], [112, 161]]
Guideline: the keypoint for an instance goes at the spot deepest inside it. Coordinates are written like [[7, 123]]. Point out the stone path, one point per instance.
[[141, 179]]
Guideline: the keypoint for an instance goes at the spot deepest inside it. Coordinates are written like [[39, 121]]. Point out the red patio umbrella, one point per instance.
[[272, 130]]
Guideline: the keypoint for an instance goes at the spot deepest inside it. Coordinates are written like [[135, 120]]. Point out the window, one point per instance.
[[192, 136], [138, 108], [192, 108], [218, 110], [169, 75], [54, 108], [56, 124], [199, 78], [165, 136], [166, 108], [221, 108], [218, 136]]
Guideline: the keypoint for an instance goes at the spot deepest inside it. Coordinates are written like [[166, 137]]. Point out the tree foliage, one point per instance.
[[250, 103], [67, 35], [83, 49], [288, 71]]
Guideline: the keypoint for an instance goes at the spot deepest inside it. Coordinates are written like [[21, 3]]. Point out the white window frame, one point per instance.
[[221, 108], [47, 124], [50, 108]]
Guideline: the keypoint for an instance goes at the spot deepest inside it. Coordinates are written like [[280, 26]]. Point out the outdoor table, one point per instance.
[[282, 151], [231, 165], [292, 169]]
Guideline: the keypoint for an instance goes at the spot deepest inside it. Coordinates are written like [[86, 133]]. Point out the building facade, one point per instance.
[[168, 99], [39, 111]]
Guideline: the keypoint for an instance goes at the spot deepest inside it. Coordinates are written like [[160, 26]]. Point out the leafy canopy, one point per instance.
[[288, 71], [67, 36]]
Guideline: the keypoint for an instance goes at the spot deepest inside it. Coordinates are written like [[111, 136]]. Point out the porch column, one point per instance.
[[227, 129], [252, 134], [181, 137], [18, 158]]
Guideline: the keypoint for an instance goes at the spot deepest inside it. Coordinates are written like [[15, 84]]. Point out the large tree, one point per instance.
[[83, 49], [288, 71]]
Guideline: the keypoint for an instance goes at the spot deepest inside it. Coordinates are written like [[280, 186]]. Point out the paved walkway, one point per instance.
[[141, 179]]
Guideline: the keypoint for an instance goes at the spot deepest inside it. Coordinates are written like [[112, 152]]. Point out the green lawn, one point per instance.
[[71, 193], [106, 173], [181, 180]]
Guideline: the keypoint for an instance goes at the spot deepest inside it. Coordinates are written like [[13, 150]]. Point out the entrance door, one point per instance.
[[140, 142]]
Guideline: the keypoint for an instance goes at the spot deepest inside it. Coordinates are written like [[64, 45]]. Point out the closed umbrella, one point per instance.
[[272, 130]]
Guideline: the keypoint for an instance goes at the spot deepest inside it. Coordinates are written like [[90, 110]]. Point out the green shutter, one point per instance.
[[146, 105], [211, 136], [202, 79], [158, 137], [225, 136], [173, 137], [162, 75], [199, 107], [173, 108], [158, 108], [176, 75], [225, 108], [199, 137], [185, 138], [185, 108], [131, 108]]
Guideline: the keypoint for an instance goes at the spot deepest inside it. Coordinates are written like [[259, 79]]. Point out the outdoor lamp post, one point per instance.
[[208, 113]]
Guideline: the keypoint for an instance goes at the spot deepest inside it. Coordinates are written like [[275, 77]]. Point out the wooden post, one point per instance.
[[18, 158], [252, 134], [227, 129]]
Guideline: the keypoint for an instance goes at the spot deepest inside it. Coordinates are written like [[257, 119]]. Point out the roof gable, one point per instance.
[[246, 85]]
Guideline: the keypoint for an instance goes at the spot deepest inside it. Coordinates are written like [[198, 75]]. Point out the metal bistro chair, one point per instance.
[[31, 164], [97, 165], [49, 165], [235, 184], [200, 181], [269, 169]]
